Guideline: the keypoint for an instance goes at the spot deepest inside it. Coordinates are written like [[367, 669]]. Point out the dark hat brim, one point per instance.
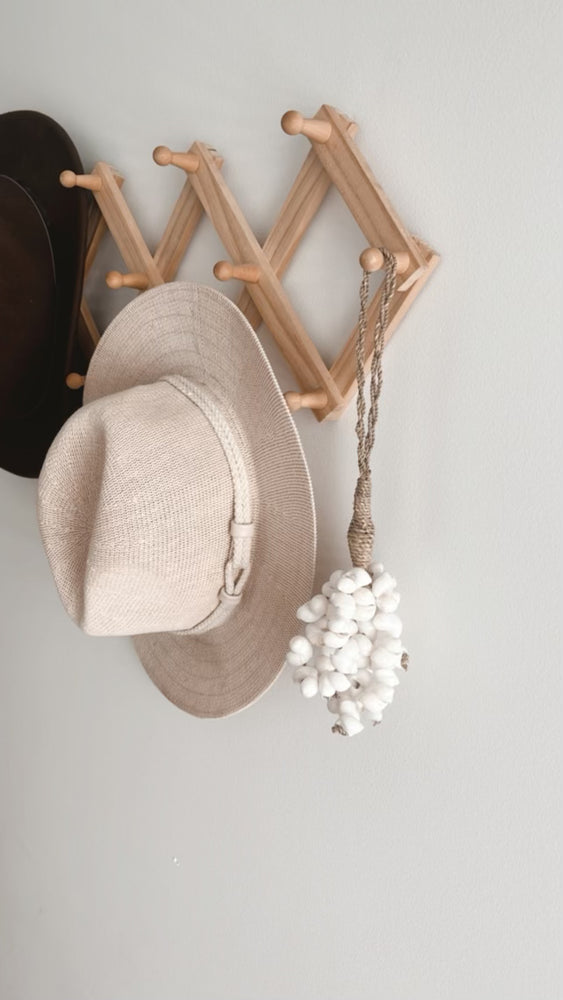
[[34, 150]]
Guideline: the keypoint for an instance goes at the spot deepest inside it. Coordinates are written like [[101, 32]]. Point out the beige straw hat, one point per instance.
[[176, 505]]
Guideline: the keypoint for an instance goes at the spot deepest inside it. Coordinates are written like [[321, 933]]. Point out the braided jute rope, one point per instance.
[[361, 529]]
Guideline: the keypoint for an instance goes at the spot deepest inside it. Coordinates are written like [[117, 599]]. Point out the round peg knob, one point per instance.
[[186, 161], [293, 123], [91, 182], [135, 279], [314, 400], [371, 259], [74, 380], [224, 271]]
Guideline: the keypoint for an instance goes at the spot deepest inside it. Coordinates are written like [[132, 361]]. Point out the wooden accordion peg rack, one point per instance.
[[333, 158]]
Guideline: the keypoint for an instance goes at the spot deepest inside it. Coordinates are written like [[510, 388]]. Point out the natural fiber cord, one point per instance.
[[361, 530]]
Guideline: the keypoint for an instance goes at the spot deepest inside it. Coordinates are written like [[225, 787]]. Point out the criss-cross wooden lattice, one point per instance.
[[335, 159]]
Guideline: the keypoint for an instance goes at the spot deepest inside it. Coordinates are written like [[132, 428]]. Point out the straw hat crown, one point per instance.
[[176, 505]]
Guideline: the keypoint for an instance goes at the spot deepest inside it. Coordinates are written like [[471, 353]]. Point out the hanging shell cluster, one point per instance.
[[352, 646]]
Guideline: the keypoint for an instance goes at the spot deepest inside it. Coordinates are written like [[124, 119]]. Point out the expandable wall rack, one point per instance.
[[333, 158]]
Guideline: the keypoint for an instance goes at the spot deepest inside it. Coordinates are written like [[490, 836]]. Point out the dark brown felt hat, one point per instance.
[[43, 231]]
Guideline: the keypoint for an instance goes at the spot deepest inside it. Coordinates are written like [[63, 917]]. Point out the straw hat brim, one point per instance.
[[191, 330]]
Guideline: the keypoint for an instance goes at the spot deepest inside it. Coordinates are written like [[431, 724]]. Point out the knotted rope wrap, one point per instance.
[[238, 564], [352, 648], [361, 530]]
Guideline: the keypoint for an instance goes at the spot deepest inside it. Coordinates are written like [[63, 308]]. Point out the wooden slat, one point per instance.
[[123, 227], [268, 295], [296, 214], [97, 227], [182, 225], [351, 174], [88, 333]]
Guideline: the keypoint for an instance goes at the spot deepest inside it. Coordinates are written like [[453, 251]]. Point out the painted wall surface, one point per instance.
[[148, 855]]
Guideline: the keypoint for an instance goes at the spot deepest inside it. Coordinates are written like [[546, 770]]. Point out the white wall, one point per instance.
[[416, 861]]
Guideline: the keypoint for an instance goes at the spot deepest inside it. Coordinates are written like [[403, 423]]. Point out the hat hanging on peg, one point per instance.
[[293, 123], [91, 182], [164, 156], [225, 271], [134, 279]]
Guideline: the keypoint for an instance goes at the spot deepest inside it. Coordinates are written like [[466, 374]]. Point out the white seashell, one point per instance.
[[341, 681], [334, 640], [383, 584], [388, 623], [365, 614], [364, 644], [360, 576], [345, 604], [301, 646], [388, 677], [385, 641], [344, 626], [382, 692], [305, 614], [344, 662], [323, 662], [364, 676], [352, 648], [309, 687], [349, 707], [327, 590], [318, 604], [314, 634], [364, 597], [346, 585], [335, 577], [302, 672], [374, 716], [372, 703], [367, 628], [295, 659], [333, 705], [389, 602], [350, 724], [382, 659], [313, 610], [326, 686], [376, 569]]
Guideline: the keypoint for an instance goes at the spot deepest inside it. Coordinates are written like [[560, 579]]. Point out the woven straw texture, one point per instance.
[[136, 499]]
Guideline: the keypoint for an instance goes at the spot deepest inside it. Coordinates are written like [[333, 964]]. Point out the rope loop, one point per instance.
[[361, 530]]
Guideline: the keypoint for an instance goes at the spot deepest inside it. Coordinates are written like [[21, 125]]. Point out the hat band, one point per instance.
[[237, 567]]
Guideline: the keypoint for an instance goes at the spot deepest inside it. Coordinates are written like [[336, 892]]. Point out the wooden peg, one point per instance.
[[74, 380], [293, 123], [224, 271], [187, 161], [91, 182], [371, 259], [135, 279], [315, 400]]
